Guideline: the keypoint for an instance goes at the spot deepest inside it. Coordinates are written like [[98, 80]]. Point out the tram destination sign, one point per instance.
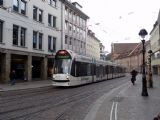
[[63, 54]]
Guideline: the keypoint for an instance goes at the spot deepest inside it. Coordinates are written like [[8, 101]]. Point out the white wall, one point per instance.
[[10, 17]]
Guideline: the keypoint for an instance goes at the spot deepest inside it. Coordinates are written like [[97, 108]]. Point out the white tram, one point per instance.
[[72, 69]]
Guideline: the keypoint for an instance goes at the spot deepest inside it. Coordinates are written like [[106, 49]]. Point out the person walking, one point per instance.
[[134, 74], [12, 77]]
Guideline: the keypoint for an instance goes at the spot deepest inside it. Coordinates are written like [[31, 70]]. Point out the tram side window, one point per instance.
[[88, 69], [73, 72], [106, 68], [82, 69], [93, 69]]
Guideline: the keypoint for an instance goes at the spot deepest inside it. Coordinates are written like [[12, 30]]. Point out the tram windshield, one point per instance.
[[62, 66]]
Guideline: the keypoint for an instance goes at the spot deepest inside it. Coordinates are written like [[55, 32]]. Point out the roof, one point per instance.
[[121, 48], [129, 49], [74, 8]]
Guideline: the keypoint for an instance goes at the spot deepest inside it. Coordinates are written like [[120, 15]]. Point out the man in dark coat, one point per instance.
[[134, 74], [12, 77]]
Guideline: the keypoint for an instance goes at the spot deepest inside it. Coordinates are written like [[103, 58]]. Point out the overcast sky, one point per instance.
[[120, 20]]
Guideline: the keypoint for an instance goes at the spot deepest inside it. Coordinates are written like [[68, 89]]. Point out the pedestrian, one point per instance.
[[134, 74], [12, 77]]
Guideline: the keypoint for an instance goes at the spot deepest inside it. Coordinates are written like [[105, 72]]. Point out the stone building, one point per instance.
[[74, 27], [129, 55], [155, 46], [92, 45]]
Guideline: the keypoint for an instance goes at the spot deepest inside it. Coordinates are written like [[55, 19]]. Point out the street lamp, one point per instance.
[[142, 34], [150, 82]]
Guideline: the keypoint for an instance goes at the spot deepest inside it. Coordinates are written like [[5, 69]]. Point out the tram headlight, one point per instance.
[[53, 76], [67, 77]]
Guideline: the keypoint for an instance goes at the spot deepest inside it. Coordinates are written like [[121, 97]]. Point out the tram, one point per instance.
[[71, 69]]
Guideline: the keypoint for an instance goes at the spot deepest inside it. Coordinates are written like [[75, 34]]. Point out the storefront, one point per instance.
[[36, 67], [1, 67], [50, 67], [18, 64]]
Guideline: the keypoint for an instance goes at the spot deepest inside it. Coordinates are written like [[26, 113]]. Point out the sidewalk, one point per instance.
[[126, 103], [25, 85]]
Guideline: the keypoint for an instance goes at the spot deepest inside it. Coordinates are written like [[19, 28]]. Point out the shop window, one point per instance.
[[1, 31]]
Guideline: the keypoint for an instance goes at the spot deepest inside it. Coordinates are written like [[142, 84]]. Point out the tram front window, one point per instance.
[[62, 66]]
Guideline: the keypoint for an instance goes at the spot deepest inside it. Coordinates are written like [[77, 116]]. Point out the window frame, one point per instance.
[[15, 34], [1, 31], [1, 2], [35, 39], [35, 10], [23, 11], [23, 37], [52, 43]]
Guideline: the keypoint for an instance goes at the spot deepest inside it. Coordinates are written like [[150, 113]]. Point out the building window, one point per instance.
[[34, 39], [52, 2], [15, 5], [15, 34], [37, 14], [23, 7], [19, 35], [70, 41], [51, 43], [40, 15], [54, 21], [1, 2], [66, 25], [1, 31], [23, 36], [40, 40], [37, 40], [66, 39], [51, 20], [19, 6]]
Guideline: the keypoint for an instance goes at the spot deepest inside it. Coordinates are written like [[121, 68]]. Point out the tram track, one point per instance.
[[52, 101]]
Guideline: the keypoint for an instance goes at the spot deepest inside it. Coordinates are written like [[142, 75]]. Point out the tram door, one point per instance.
[[93, 67]]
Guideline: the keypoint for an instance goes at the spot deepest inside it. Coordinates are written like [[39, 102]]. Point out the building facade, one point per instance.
[[74, 27], [92, 45], [29, 37], [130, 55], [155, 46]]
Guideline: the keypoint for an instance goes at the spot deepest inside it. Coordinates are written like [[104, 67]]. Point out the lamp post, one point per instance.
[[142, 34], [150, 82]]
